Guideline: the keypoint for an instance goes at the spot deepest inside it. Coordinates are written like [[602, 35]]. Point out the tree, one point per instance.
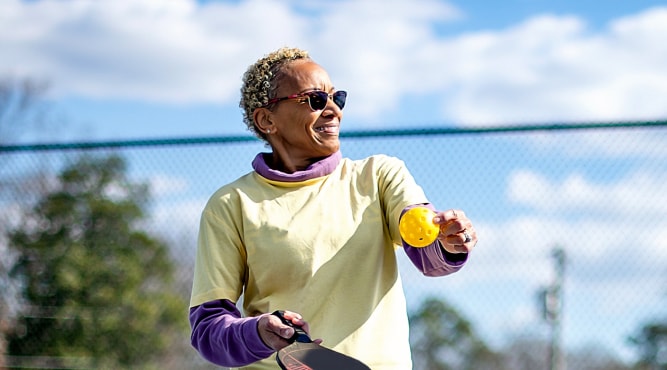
[[441, 339], [526, 352], [594, 357], [95, 284], [22, 109], [651, 342]]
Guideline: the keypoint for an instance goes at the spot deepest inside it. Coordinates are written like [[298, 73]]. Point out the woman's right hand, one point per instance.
[[275, 334]]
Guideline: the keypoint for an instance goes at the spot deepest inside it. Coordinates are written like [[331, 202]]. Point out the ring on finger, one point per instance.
[[467, 237]]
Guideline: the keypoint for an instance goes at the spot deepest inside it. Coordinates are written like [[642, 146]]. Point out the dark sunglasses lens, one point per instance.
[[339, 98], [317, 99]]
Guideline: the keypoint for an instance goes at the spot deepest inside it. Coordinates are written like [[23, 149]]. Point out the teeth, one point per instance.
[[325, 128]]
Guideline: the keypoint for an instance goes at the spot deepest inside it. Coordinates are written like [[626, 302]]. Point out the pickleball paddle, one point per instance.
[[304, 354]]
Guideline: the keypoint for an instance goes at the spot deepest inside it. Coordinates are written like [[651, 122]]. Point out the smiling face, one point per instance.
[[298, 135]]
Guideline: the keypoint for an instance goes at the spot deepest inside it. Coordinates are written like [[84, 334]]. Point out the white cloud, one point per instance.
[[163, 185], [552, 68], [547, 68], [171, 51], [596, 224], [637, 194]]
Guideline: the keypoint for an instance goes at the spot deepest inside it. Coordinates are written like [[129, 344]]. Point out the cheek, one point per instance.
[[300, 120], [306, 121]]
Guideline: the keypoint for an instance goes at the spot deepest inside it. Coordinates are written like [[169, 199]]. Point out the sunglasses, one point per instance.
[[317, 99]]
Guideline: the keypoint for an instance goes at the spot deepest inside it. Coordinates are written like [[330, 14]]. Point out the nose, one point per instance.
[[332, 109]]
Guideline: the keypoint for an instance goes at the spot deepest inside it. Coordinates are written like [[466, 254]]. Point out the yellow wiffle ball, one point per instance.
[[417, 227]]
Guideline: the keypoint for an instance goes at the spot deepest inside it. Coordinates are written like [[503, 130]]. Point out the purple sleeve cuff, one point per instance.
[[222, 337], [433, 260]]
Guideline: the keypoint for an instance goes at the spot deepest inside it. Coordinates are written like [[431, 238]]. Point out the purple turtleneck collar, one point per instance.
[[318, 169]]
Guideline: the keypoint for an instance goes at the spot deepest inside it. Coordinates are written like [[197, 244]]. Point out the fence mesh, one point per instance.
[[596, 192]]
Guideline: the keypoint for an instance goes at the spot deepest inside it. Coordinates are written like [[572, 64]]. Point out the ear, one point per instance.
[[263, 120]]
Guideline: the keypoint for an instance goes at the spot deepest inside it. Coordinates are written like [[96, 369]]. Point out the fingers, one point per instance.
[[275, 333], [452, 221], [296, 319], [457, 233], [269, 328]]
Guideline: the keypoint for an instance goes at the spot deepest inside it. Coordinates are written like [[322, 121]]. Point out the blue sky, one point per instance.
[[143, 68], [157, 69]]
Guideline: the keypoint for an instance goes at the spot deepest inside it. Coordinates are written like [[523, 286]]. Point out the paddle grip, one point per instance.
[[299, 334]]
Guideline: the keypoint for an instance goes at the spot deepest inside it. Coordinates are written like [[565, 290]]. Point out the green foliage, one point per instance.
[[441, 339], [651, 343], [95, 284]]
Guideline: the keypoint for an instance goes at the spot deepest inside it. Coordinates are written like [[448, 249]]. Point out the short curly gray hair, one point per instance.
[[260, 83]]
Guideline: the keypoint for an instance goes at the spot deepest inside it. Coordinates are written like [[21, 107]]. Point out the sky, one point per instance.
[[128, 69], [141, 69]]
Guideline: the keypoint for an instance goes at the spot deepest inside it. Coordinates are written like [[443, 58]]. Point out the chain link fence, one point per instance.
[[597, 192]]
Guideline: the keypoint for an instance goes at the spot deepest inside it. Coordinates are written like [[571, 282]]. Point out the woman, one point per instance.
[[311, 233]]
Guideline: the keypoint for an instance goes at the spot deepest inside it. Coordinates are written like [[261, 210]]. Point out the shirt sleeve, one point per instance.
[[223, 337], [220, 262], [433, 260]]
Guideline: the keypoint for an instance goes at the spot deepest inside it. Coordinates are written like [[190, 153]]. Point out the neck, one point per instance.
[[317, 169], [290, 165], [289, 162]]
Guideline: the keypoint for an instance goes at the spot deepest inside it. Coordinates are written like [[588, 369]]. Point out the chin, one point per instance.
[[333, 148], [331, 145]]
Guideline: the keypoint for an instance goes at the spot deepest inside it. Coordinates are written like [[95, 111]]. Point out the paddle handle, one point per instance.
[[299, 334]]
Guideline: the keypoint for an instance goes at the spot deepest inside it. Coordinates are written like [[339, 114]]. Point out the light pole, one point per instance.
[[552, 303]]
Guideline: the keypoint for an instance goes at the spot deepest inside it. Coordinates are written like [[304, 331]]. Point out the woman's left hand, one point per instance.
[[457, 234]]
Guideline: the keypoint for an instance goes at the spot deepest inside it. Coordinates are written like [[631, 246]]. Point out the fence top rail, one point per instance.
[[430, 131]]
